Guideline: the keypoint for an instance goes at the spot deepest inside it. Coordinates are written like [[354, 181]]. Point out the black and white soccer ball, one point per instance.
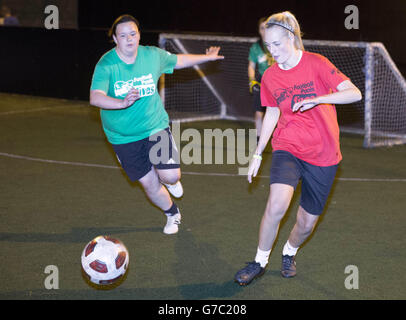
[[105, 260]]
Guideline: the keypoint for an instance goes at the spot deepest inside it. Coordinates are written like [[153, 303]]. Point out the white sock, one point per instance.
[[289, 250], [262, 257]]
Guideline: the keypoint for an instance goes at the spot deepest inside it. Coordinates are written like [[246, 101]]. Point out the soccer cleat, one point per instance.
[[175, 189], [172, 223], [288, 266], [250, 272]]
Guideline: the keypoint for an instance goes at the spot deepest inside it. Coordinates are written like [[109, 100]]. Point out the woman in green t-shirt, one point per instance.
[[124, 87]]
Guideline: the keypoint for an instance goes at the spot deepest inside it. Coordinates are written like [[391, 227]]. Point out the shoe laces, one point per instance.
[[252, 266], [173, 220], [287, 261]]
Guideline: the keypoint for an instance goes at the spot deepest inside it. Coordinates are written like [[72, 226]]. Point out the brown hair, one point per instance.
[[122, 19]]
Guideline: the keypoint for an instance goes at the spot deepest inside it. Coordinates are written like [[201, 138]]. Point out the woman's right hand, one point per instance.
[[132, 96], [254, 167]]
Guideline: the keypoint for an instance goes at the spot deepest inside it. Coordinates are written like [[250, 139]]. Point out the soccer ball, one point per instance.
[[105, 260]]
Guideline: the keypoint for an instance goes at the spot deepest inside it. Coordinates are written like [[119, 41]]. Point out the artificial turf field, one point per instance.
[[61, 187]]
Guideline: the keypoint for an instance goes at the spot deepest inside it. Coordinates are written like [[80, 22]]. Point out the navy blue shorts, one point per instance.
[[316, 181], [137, 158]]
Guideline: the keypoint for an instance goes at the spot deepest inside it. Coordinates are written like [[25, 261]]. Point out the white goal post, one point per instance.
[[219, 90]]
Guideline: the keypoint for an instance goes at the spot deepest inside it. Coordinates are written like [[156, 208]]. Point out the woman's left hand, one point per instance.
[[213, 52]]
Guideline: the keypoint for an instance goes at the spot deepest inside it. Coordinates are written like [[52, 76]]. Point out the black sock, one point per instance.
[[172, 210]]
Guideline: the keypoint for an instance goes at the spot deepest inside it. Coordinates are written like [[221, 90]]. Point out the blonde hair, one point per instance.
[[288, 22]]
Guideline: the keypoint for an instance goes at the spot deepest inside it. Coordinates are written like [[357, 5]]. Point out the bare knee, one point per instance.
[[306, 221], [278, 201], [304, 228], [169, 176], [172, 179], [275, 210]]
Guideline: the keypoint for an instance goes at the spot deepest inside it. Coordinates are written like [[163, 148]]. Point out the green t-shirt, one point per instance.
[[259, 57], [115, 77]]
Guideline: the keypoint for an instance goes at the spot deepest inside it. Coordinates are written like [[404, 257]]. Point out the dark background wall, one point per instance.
[[31, 13], [380, 20], [60, 62]]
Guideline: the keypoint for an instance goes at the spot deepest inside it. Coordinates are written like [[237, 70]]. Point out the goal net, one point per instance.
[[219, 89]]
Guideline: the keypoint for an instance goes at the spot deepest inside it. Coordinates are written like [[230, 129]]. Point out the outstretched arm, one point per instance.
[[188, 60], [347, 93]]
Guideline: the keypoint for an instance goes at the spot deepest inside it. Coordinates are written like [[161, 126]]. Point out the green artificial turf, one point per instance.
[[52, 205]]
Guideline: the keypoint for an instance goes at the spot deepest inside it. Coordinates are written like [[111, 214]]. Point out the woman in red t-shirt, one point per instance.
[[299, 91]]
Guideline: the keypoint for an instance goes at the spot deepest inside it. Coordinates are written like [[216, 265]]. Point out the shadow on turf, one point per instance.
[[110, 286], [77, 235], [200, 264], [200, 291]]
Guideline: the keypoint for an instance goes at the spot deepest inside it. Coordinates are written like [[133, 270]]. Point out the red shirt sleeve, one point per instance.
[[329, 74], [267, 99]]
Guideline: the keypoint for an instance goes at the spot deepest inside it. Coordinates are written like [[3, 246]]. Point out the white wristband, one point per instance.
[[257, 156]]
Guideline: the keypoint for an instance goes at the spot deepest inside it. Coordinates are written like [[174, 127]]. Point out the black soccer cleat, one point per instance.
[[252, 271], [288, 269]]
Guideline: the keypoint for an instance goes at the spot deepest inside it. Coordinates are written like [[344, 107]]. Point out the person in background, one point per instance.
[[7, 18], [259, 60]]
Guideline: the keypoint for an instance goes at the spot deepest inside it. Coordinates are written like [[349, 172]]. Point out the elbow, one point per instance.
[[93, 99], [358, 95], [179, 62]]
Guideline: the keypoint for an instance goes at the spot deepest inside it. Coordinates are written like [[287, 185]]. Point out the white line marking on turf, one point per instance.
[[81, 164], [24, 111], [218, 174], [341, 179], [34, 110]]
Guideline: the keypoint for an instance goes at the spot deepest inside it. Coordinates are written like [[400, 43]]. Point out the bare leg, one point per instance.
[[155, 191], [305, 223], [169, 176], [279, 199]]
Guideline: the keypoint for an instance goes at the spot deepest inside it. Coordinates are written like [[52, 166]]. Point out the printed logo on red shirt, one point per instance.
[[282, 94], [300, 97], [305, 91]]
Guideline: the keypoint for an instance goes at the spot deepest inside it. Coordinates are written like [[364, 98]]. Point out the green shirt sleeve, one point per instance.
[[253, 55], [167, 61], [100, 80]]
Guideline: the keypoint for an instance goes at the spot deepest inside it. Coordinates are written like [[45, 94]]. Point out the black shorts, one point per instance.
[[316, 181], [137, 158]]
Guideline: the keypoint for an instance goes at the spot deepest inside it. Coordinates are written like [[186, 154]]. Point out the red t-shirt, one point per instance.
[[312, 135]]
